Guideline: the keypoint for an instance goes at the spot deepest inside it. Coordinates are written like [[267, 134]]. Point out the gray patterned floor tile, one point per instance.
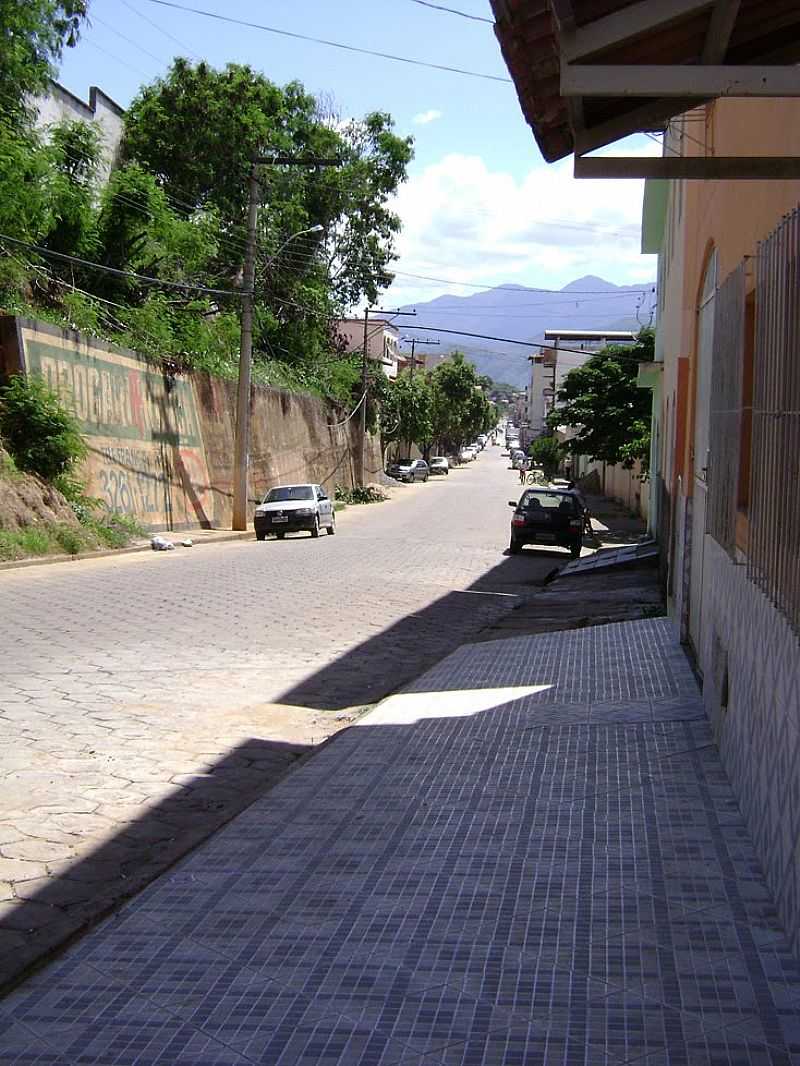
[[19, 1045], [565, 879]]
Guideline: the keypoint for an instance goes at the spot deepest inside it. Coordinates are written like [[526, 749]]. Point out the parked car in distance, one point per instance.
[[466, 455], [293, 508], [439, 464], [409, 470], [547, 516]]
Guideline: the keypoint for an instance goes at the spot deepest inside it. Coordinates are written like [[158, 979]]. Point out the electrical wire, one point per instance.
[[128, 40], [331, 44], [509, 287], [453, 11], [116, 58], [510, 340], [336, 425], [182, 286], [161, 30]]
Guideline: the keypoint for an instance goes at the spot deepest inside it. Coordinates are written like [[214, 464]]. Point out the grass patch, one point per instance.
[[24, 543], [107, 531], [114, 530], [8, 468]]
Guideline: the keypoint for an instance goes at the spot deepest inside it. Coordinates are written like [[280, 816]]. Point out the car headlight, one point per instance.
[[304, 512], [261, 510]]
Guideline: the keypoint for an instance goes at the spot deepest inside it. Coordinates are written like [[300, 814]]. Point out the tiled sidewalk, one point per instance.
[[531, 856]]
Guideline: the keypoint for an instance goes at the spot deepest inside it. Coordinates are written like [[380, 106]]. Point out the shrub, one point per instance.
[[115, 530], [41, 435], [72, 540], [369, 494]]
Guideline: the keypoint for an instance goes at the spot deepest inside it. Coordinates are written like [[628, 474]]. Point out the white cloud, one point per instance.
[[466, 222], [424, 117]]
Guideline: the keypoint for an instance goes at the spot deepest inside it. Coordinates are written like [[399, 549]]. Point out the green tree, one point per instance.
[[140, 231], [546, 452], [602, 402], [74, 151], [196, 131], [33, 34], [459, 408], [406, 407]]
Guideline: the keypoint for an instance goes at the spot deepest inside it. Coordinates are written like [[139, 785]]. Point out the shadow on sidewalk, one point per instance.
[[54, 909]]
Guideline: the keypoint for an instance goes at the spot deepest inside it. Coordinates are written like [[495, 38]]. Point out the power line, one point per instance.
[[515, 288], [330, 44], [161, 30], [522, 344], [123, 37], [453, 11], [116, 58], [182, 286], [485, 311]]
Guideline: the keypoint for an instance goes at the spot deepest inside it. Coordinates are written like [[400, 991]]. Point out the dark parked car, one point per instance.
[[547, 516], [409, 470], [291, 508]]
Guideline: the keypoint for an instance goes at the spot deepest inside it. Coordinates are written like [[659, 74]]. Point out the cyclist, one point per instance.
[[524, 466]]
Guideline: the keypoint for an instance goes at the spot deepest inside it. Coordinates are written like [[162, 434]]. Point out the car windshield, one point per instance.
[[403, 462], [553, 501], [438, 460], [289, 492]]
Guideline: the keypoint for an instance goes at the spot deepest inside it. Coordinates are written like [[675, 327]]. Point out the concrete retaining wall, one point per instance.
[[161, 447]]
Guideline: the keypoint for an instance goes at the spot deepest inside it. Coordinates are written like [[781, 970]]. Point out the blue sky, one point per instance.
[[480, 206]]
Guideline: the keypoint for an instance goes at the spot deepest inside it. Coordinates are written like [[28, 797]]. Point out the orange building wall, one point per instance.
[[732, 216]]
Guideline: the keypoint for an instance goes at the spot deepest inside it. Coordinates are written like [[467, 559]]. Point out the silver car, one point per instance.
[[293, 508], [409, 470]]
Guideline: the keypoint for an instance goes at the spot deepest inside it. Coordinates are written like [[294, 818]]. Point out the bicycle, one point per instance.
[[533, 478]]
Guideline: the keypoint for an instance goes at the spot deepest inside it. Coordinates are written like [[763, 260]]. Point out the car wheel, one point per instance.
[[514, 546], [261, 536], [315, 528], [332, 526], [280, 536]]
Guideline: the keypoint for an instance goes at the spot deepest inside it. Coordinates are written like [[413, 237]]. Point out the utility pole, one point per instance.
[[242, 440], [362, 435], [413, 360]]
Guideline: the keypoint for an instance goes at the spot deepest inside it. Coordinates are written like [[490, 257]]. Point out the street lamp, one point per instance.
[[242, 443]]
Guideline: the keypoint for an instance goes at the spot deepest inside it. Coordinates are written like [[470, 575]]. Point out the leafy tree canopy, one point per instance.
[[603, 402], [459, 409], [33, 34], [406, 407], [546, 452], [196, 131]]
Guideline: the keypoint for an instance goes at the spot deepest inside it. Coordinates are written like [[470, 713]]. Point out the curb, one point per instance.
[[48, 560]]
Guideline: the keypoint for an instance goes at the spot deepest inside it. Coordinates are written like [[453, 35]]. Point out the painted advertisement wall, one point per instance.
[[160, 447]]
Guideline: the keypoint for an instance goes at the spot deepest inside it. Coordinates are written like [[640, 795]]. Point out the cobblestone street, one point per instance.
[[146, 699]]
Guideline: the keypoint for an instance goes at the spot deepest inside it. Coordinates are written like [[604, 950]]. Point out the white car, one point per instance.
[[292, 508], [466, 455]]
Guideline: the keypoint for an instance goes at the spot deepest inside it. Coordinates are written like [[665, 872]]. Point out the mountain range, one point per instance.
[[516, 313]]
